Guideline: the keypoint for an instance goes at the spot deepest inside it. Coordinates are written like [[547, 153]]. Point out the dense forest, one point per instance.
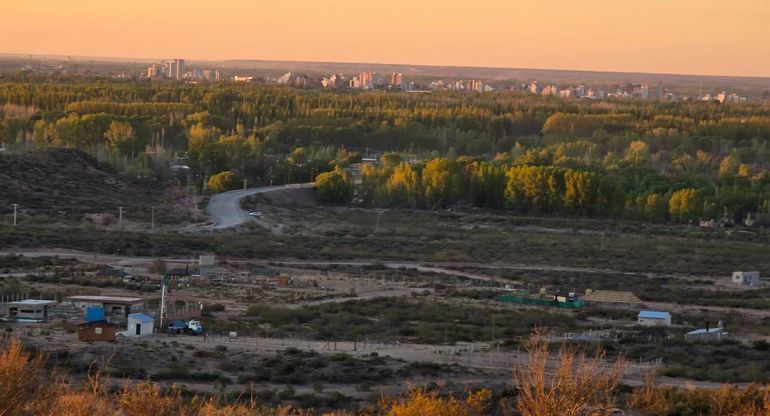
[[650, 160]]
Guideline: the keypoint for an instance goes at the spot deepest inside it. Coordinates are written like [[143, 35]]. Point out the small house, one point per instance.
[[140, 324], [654, 318], [97, 331], [30, 310], [747, 278]]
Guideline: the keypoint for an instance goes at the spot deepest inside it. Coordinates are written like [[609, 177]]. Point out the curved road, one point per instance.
[[225, 209]]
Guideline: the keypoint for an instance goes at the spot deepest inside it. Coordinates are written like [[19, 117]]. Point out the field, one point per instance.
[[382, 299]]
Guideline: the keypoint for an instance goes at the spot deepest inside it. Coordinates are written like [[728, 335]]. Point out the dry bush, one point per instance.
[[650, 400], [20, 377], [423, 403], [575, 385]]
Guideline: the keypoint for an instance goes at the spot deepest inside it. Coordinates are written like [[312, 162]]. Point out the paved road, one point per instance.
[[225, 209]]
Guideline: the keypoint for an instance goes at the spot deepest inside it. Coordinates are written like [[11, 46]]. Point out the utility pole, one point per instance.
[[15, 208], [152, 218], [195, 206], [162, 300], [120, 217]]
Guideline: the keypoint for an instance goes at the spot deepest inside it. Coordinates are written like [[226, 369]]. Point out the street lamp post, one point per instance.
[[15, 208]]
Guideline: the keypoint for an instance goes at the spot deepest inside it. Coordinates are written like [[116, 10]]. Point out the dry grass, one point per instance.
[[567, 383], [576, 385]]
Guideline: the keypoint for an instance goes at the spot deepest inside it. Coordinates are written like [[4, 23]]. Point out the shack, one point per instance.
[[30, 310], [654, 318], [97, 331], [747, 278], [140, 324]]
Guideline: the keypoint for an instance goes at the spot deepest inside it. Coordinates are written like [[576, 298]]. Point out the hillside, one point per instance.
[[68, 184]]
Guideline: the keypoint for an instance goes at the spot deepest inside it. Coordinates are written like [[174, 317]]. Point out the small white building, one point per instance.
[[654, 318], [747, 278], [140, 324], [30, 310]]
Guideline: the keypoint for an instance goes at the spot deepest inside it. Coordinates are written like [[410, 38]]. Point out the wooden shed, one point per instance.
[[97, 331]]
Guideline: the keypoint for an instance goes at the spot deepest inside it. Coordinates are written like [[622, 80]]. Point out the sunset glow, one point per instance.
[[670, 36]]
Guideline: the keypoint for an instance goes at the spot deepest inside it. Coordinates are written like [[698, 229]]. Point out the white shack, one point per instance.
[[140, 324], [747, 278], [654, 318]]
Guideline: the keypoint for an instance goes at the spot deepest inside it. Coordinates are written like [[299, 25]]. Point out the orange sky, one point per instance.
[[721, 37]]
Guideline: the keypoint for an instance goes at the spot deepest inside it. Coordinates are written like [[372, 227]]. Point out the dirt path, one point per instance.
[[225, 208]]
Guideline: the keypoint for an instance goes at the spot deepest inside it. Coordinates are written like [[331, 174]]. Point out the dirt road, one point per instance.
[[225, 209]]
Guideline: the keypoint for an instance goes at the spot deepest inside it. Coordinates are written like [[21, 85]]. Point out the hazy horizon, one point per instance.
[[689, 37]]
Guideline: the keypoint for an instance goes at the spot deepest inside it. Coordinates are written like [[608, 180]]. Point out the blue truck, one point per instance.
[[191, 327]]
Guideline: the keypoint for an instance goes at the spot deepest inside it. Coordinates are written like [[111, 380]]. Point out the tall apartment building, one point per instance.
[[366, 79], [175, 69], [396, 79], [152, 71], [212, 75]]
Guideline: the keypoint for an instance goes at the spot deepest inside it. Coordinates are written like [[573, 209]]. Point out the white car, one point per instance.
[[255, 214]]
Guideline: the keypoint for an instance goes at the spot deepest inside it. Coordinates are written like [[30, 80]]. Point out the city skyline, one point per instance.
[[711, 38]]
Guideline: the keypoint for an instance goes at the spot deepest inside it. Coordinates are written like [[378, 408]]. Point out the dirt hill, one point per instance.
[[67, 184]]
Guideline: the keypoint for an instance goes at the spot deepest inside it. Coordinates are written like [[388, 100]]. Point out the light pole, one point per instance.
[[15, 208], [120, 217], [152, 218]]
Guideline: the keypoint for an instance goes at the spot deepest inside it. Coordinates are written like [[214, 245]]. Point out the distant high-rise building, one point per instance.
[[179, 66], [396, 79], [334, 81], [170, 70], [211, 75], [297, 80], [152, 71], [366, 79]]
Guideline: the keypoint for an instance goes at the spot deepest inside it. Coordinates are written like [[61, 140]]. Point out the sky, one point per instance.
[[709, 37]]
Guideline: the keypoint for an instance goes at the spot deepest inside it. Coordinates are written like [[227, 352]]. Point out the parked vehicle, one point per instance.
[[255, 214], [191, 327]]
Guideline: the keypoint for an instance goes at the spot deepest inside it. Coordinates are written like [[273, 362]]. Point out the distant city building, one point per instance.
[[294, 79], [534, 88], [153, 71], [396, 79], [212, 75], [334, 81], [179, 67], [550, 90], [366, 80]]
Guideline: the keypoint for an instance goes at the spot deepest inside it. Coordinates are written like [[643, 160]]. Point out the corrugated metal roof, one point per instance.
[[34, 302], [141, 317], [704, 331], [654, 315]]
